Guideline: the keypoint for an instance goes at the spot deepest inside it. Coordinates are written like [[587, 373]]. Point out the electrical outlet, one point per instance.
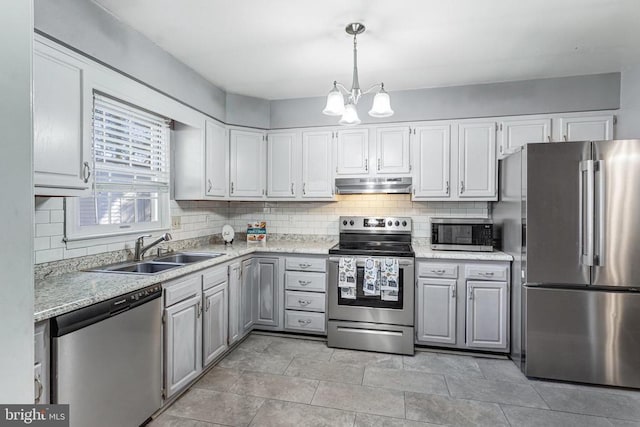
[[176, 223]]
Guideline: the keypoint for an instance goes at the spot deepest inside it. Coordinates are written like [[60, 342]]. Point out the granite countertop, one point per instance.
[[425, 251], [61, 294]]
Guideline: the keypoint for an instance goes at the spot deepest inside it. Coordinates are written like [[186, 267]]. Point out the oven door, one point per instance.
[[372, 309]]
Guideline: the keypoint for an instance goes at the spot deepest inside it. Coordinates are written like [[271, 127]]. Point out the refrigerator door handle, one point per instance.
[[599, 257], [587, 209]]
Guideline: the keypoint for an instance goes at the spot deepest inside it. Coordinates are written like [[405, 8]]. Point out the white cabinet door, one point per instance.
[[62, 144], [248, 300], [183, 343], [214, 325], [433, 151], [516, 133], [392, 150], [353, 152], [477, 160], [487, 314], [268, 292], [247, 164], [280, 165], [216, 149], [235, 320], [594, 128], [436, 310], [317, 170]]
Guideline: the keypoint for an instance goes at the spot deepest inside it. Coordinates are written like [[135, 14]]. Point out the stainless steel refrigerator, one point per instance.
[[570, 216]]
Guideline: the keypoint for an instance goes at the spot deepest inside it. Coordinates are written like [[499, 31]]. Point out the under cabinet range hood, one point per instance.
[[373, 185]]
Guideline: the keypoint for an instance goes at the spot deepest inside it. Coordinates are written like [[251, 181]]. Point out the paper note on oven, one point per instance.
[[389, 275], [347, 273], [371, 282]]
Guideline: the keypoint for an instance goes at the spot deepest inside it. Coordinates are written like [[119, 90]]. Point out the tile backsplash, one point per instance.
[[203, 218]]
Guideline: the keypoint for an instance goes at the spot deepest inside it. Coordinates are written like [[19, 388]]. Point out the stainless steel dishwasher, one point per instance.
[[107, 359]]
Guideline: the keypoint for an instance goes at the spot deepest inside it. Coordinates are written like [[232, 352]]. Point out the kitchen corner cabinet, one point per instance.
[[317, 169], [62, 102], [247, 164], [514, 133], [352, 148], [269, 293], [215, 291], [463, 305], [200, 161], [393, 150], [41, 366], [281, 165]]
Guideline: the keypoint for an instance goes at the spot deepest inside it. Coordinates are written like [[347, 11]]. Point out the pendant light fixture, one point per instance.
[[336, 105]]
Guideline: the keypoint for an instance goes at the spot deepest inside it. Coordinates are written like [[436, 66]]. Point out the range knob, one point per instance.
[[351, 222], [344, 222], [389, 223], [397, 223], [404, 223]]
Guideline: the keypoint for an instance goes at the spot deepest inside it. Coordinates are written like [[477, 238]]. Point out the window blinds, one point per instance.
[[130, 148]]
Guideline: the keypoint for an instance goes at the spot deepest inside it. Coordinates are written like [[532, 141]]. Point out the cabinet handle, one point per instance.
[[206, 308], [304, 282], [549, 138], [304, 322], [410, 167], [453, 292], [501, 149], [231, 187], [292, 193], [461, 186], [564, 137], [305, 265], [199, 309], [40, 388], [486, 273], [470, 293], [304, 188], [210, 185], [366, 164], [304, 302], [263, 191], [86, 172], [447, 188], [438, 271], [378, 164]]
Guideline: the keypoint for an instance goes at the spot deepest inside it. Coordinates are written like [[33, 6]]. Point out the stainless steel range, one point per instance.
[[371, 286]]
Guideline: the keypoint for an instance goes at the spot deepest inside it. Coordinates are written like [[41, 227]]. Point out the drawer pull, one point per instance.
[[304, 302], [304, 265], [438, 271], [304, 282], [304, 322], [486, 273]]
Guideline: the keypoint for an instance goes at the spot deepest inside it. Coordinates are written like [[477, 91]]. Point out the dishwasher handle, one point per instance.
[[83, 317]]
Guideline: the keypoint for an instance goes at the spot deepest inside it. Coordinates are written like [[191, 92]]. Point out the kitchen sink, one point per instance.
[[186, 257], [145, 267]]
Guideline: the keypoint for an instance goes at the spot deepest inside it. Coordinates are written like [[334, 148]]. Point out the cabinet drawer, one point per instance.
[[214, 277], [437, 270], [306, 301], [486, 272], [306, 264], [182, 289], [304, 321], [301, 281]]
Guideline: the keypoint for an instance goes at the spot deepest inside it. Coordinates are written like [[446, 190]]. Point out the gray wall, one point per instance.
[[247, 111], [16, 188], [628, 126], [88, 28], [555, 95]]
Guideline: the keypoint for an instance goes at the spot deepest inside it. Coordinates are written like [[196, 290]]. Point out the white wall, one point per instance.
[[16, 190], [628, 126]]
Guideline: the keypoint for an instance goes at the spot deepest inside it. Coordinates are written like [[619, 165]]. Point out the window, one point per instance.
[[130, 149]]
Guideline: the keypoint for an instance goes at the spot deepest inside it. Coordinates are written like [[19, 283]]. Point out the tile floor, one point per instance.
[[275, 381]]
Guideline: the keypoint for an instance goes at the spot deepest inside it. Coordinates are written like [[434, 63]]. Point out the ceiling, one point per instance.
[[280, 49]]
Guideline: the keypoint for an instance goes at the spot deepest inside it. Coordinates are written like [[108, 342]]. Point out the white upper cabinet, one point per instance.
[[317, 171], [247, 164], [62, 103], [432, 145], [477, 160], [353, 152], [585, 128], [281, 165], [516, 133], [392, 150], [216, 165]]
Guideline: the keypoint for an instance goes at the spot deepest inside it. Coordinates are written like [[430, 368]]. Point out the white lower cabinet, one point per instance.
[[195, 326], [41, 366], [248, 297], [305, 282], [268, 292], [463, 305], [235, 310]]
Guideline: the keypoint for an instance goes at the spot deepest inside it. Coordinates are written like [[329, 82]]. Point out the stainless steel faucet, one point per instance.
[[141, 249]]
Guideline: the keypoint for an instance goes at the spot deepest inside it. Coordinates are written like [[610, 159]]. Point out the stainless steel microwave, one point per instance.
[[468, 234]]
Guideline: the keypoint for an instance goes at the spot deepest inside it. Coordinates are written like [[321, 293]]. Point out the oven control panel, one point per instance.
[[375, 224]]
